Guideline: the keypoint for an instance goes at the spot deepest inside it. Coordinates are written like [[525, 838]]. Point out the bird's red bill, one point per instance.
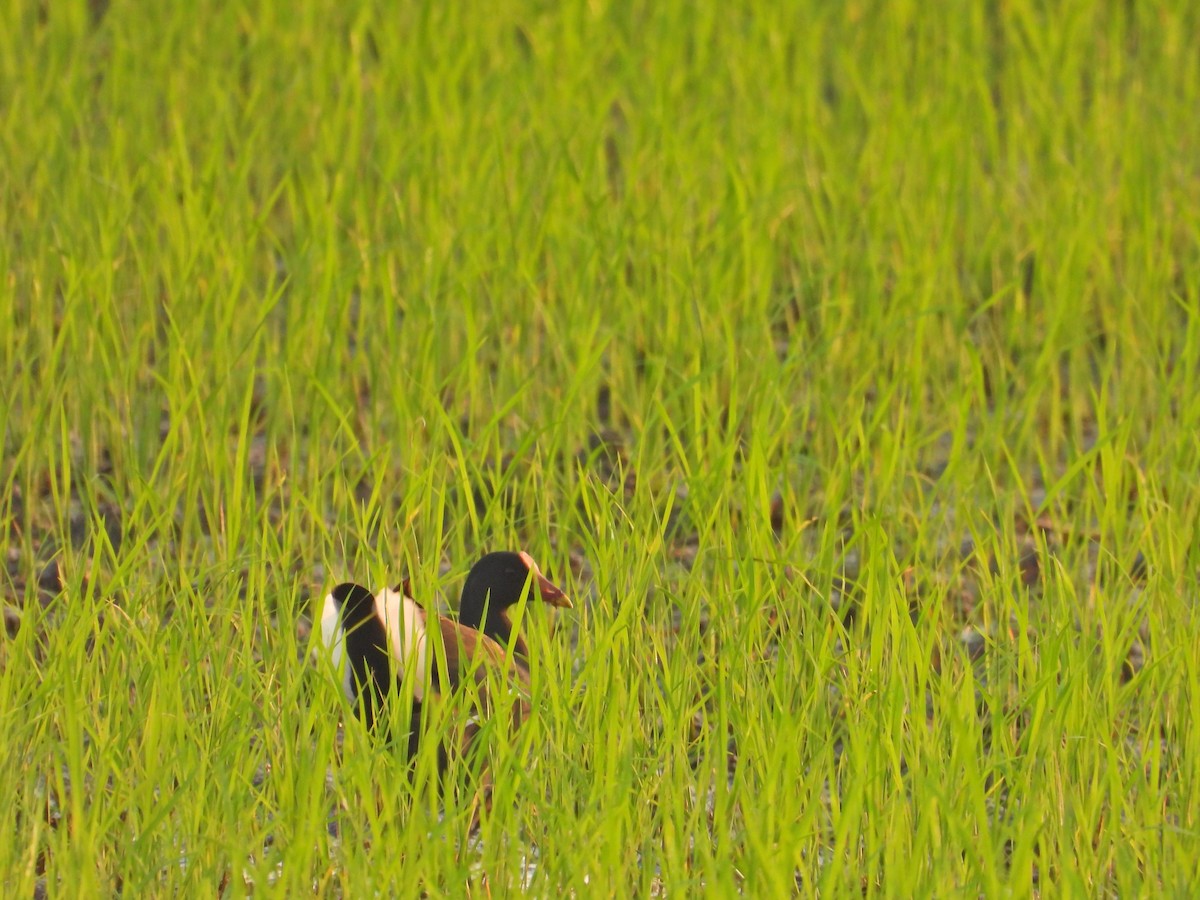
[[552, 593]]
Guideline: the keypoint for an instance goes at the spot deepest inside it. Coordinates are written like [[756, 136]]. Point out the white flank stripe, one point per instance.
[[333, 636], [404, 622]]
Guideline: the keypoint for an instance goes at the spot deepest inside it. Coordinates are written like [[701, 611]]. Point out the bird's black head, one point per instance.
[[495, 584]]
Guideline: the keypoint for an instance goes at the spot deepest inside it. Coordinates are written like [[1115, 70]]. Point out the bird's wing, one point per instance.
[[473, 658]]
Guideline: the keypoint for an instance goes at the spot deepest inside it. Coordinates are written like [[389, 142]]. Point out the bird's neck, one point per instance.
[[500, 629]]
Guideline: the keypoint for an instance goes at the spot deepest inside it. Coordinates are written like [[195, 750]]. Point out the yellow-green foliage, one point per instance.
[[741, 318]]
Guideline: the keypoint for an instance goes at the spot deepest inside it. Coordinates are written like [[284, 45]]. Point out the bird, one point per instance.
[[353, 629], [494, 585], [379, 641]]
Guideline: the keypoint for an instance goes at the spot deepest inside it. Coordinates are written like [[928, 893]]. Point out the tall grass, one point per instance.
[[841, 359]]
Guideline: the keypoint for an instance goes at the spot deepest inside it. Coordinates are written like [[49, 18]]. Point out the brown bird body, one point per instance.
[[386, 640]]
